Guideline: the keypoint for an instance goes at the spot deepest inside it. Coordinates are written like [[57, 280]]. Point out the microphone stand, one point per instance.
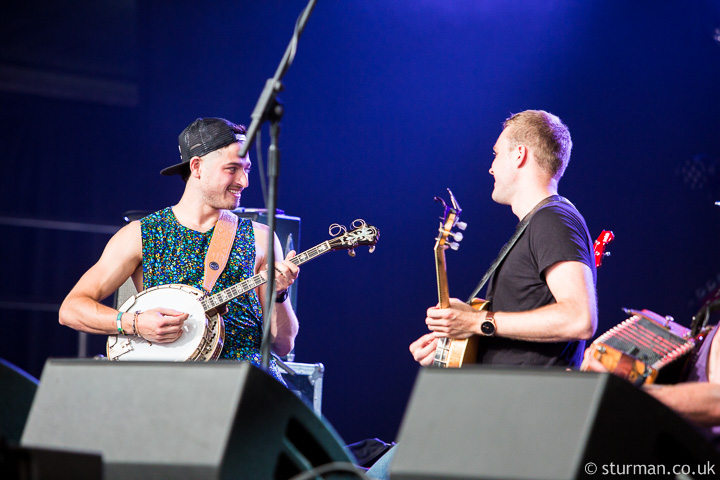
[[269, 109]]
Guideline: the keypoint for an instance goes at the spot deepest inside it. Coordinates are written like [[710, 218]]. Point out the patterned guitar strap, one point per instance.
[[510, 243], [219, 250]]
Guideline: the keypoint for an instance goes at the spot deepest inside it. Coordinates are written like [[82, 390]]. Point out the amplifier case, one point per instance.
[[307, 383]]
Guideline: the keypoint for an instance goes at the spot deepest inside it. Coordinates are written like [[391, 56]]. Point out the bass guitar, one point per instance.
[[454, 353], [451, 352], [203, 333]]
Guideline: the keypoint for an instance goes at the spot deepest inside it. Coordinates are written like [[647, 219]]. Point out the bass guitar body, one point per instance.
[[453, 352]]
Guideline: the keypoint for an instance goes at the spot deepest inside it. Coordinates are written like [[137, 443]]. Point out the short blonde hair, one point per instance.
[[547, 136]]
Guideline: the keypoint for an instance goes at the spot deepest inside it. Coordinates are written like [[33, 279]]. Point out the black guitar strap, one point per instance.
[[510, 243]]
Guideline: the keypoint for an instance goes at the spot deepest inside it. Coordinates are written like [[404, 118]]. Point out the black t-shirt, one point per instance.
[[556, 233]]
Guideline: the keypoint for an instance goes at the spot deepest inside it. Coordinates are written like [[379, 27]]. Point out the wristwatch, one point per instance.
[[281, 297], [488, 327]]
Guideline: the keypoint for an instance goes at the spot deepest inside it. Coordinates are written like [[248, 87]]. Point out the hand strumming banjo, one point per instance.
[[204, 330]]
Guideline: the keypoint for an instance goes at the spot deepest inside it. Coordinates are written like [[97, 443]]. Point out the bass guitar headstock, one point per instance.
[[450, 220], [605, 237], [361, 234]]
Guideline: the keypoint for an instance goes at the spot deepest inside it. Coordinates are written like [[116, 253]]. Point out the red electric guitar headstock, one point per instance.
[[606, 236]]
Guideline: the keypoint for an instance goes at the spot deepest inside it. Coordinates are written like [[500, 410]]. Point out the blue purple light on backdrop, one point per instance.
[[387, 104]]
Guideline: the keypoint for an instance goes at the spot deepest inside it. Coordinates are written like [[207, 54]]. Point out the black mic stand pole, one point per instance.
[[268, 108], [273, 171]]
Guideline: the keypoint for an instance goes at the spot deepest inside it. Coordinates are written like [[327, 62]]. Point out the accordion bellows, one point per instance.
[[649, 341], [643, 344]]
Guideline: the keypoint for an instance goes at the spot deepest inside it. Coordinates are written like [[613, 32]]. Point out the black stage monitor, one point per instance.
[[504, 423], [156, 420]]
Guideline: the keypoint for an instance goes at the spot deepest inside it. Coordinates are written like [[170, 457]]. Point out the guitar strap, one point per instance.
[[510, 243], [219, 250]]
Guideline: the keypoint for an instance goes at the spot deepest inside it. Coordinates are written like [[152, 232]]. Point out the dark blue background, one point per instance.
[[387, 104]]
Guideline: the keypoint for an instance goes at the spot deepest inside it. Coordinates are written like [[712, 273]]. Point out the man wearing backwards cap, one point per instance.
[[169, 246]]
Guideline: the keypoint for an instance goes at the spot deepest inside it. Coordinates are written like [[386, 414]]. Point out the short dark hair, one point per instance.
[[547, 136]]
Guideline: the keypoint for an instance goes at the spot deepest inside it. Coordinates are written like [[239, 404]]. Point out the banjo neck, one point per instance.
[[361, 234], [211, 303]]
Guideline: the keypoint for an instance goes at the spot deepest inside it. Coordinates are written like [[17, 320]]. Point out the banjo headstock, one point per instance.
[[361, 234]]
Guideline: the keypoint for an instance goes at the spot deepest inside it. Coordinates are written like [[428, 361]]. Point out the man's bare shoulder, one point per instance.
[[127, 242], [261, 234], [260, 228], [133, 228], [131, 231]]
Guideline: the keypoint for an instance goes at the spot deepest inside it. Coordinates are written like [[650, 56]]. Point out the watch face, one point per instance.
[[487, 328]]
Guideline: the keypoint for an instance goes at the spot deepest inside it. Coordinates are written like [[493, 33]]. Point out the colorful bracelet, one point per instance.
[[118, 321], [135, 330]]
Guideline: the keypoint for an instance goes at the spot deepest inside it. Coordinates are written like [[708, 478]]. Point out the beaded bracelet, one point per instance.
[[118, 321], [135, 330]]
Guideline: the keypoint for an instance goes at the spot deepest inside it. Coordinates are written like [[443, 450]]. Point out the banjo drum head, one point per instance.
[[177, 297]]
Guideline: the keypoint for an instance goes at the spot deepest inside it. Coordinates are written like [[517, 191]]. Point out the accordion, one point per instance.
[[645, 348]]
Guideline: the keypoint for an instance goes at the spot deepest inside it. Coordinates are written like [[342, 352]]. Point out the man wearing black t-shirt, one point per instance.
[[542, 299]]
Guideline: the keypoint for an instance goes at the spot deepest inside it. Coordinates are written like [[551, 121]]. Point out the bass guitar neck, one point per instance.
[[451, 353]]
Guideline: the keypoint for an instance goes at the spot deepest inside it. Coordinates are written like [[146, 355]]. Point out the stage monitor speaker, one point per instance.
[[17, 390], [40, 464], [287, 229], [156, 420], [504, 423]]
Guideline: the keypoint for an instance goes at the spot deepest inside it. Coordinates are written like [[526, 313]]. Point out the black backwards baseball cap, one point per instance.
[[203, 136]]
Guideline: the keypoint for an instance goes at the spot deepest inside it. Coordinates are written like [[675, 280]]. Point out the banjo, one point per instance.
[[204, 331]]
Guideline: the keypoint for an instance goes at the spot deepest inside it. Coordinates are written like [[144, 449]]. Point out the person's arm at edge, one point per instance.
[[696, 401]]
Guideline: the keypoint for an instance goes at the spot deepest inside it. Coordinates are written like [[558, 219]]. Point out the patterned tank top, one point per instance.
[[173, 253]]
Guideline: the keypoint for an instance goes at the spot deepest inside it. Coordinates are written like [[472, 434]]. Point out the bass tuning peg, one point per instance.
[[462, 225]]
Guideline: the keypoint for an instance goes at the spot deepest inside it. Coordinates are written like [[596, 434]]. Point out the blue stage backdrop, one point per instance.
[[388, 103]]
